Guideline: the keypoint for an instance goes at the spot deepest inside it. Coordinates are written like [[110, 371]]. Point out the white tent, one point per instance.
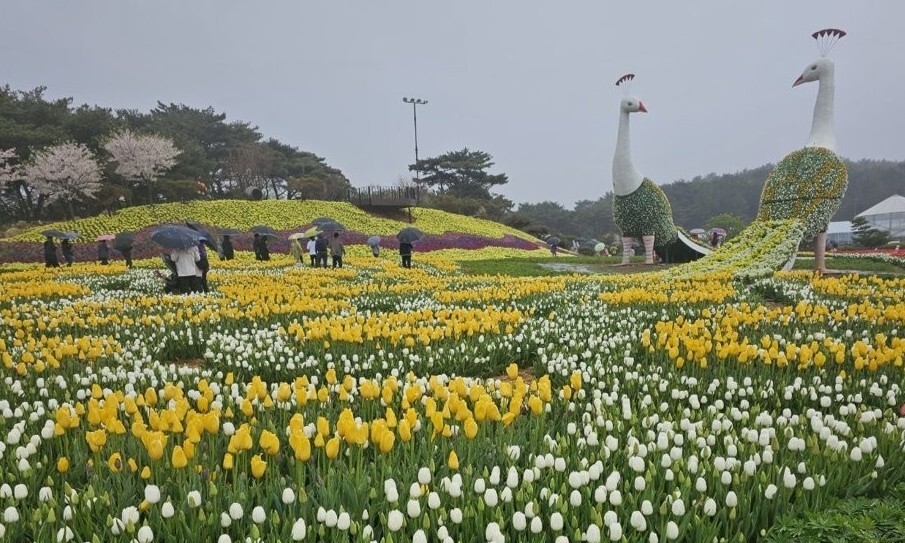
[[888, 215]]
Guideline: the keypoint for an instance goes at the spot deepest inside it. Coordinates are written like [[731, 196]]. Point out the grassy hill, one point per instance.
[[442, 230]]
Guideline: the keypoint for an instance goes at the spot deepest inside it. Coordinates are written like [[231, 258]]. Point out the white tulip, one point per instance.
[[343, 521], [556, 521], [638, 521], [419, 537], [20, 492], [424, 476], [672, 530], [394, 520], [194, 498], [10, 515], [593, 534], [152, 494], [299, 530], [456, 516], [678, 508], [288, 496], [537, 525], [167, 510], [731, 499], [235, 511], [145, 534], [615, 531]]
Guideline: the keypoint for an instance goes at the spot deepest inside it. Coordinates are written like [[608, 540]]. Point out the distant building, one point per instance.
[[888, 215], [839, 232]]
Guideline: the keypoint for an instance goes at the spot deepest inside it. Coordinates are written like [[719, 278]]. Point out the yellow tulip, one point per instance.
[[115, 462], [146, 473], [258, 466], [453, 460], [227, 461], [386, 441], [178, 458], [512, 370], [269, 442], [471, 428], [333, 448], [63, 464], [300, 445], [96, 439]]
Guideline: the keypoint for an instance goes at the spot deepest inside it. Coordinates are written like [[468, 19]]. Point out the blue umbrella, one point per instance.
[[175, 237]]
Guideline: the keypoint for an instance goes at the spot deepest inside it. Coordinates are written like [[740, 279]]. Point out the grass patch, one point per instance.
[[535, 266], [849, 263]]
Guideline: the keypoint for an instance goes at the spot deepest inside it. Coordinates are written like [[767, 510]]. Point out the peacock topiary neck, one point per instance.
[[823, 132], [626, 179]]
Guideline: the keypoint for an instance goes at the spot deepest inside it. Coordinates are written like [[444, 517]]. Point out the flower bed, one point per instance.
[[378, 403]]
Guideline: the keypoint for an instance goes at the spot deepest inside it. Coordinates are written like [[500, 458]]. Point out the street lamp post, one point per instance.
[[415, 103]]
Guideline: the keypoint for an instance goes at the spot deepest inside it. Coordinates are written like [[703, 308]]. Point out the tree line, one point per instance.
[[711, 200], [215, 158]]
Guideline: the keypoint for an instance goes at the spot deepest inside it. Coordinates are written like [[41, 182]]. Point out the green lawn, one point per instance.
[[850, 263]]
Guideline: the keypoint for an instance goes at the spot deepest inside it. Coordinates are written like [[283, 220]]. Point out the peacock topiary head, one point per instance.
[[631, 104], [815, 71]]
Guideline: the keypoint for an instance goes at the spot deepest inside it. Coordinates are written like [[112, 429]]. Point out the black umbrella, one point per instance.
[[264, 230], [409, 234], [320, 220], [373, 241], [123, 240], [209, 234], [553, 240], [231, 232], [332, 226], [175, 237], [71, 235], [54, 234]]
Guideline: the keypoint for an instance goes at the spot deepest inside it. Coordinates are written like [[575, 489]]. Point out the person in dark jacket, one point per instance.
[[203, 264], [256, 246], [405, 251], [262, 248], [321, 249], [127, 254], [66, 248], [103, 252], [227, 248], [50, 254]]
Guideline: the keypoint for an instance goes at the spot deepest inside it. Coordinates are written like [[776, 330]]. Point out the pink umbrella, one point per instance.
[[105, 237]]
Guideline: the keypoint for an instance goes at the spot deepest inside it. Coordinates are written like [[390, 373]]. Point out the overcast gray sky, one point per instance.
[[530, 82]]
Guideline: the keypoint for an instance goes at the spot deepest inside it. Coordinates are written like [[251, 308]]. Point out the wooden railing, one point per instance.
[[385, 196]]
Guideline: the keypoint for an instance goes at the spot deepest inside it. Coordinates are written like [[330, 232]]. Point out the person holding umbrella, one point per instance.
[[321, 248], [295, 249], [50, 253], [227, 248], [203, 265], [66, 248], [123, 244], [337, 250], [262, 248], [186, 261], [374, 243], [103, 251], [405, 251], [311, 246]]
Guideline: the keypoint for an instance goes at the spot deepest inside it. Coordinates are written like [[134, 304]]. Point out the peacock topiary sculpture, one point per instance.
[[808, 184], [640, 208]]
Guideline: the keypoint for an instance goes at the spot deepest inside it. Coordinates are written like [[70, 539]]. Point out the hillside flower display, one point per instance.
[[383, 404]]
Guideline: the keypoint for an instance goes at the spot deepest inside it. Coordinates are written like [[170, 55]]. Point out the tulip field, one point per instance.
[[377, 403]]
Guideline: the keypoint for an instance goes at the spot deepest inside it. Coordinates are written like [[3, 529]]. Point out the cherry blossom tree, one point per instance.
[[64, 173], [142, 157]]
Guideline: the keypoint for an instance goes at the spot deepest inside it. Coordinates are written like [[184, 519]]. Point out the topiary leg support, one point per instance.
[[648, 249]]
